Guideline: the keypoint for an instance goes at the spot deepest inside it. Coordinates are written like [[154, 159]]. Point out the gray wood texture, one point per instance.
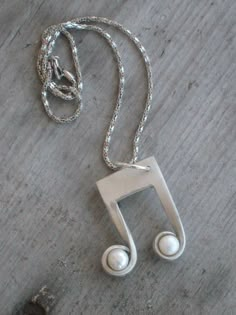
[[53, 224]]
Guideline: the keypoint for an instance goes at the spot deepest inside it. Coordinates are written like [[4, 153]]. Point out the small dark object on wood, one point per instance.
[[40, 304]]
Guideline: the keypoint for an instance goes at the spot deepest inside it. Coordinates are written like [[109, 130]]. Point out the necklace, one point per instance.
[[129, 177]]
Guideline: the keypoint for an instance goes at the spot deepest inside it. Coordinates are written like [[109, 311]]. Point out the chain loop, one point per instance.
[[48, 66]]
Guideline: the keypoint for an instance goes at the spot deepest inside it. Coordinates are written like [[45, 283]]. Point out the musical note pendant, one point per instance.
[[119, 260]]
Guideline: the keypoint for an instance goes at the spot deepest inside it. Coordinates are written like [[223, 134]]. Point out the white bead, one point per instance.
[[169, 245], [118, 259]]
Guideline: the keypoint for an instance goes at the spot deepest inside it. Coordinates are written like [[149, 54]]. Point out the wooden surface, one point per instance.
[[53, 224]]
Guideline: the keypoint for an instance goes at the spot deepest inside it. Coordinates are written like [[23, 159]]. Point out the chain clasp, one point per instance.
[[61, 72]]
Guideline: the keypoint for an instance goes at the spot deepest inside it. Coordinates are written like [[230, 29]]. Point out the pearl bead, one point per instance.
[[118, 259], [169, 245]]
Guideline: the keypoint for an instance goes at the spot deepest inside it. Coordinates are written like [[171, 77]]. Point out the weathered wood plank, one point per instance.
[[53, 224]]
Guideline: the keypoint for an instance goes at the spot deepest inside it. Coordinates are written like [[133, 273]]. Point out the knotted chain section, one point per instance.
[[48, 67]]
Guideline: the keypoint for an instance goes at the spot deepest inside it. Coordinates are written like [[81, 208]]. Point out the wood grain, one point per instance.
[[53, 224]]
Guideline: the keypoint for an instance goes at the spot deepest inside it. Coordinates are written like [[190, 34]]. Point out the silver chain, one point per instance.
[[48, 66]]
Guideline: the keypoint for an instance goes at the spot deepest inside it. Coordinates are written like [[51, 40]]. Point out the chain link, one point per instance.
[[48, 66]]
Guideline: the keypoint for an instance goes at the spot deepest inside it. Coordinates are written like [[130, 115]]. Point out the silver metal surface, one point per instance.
[[125, 182], [134, 166]]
